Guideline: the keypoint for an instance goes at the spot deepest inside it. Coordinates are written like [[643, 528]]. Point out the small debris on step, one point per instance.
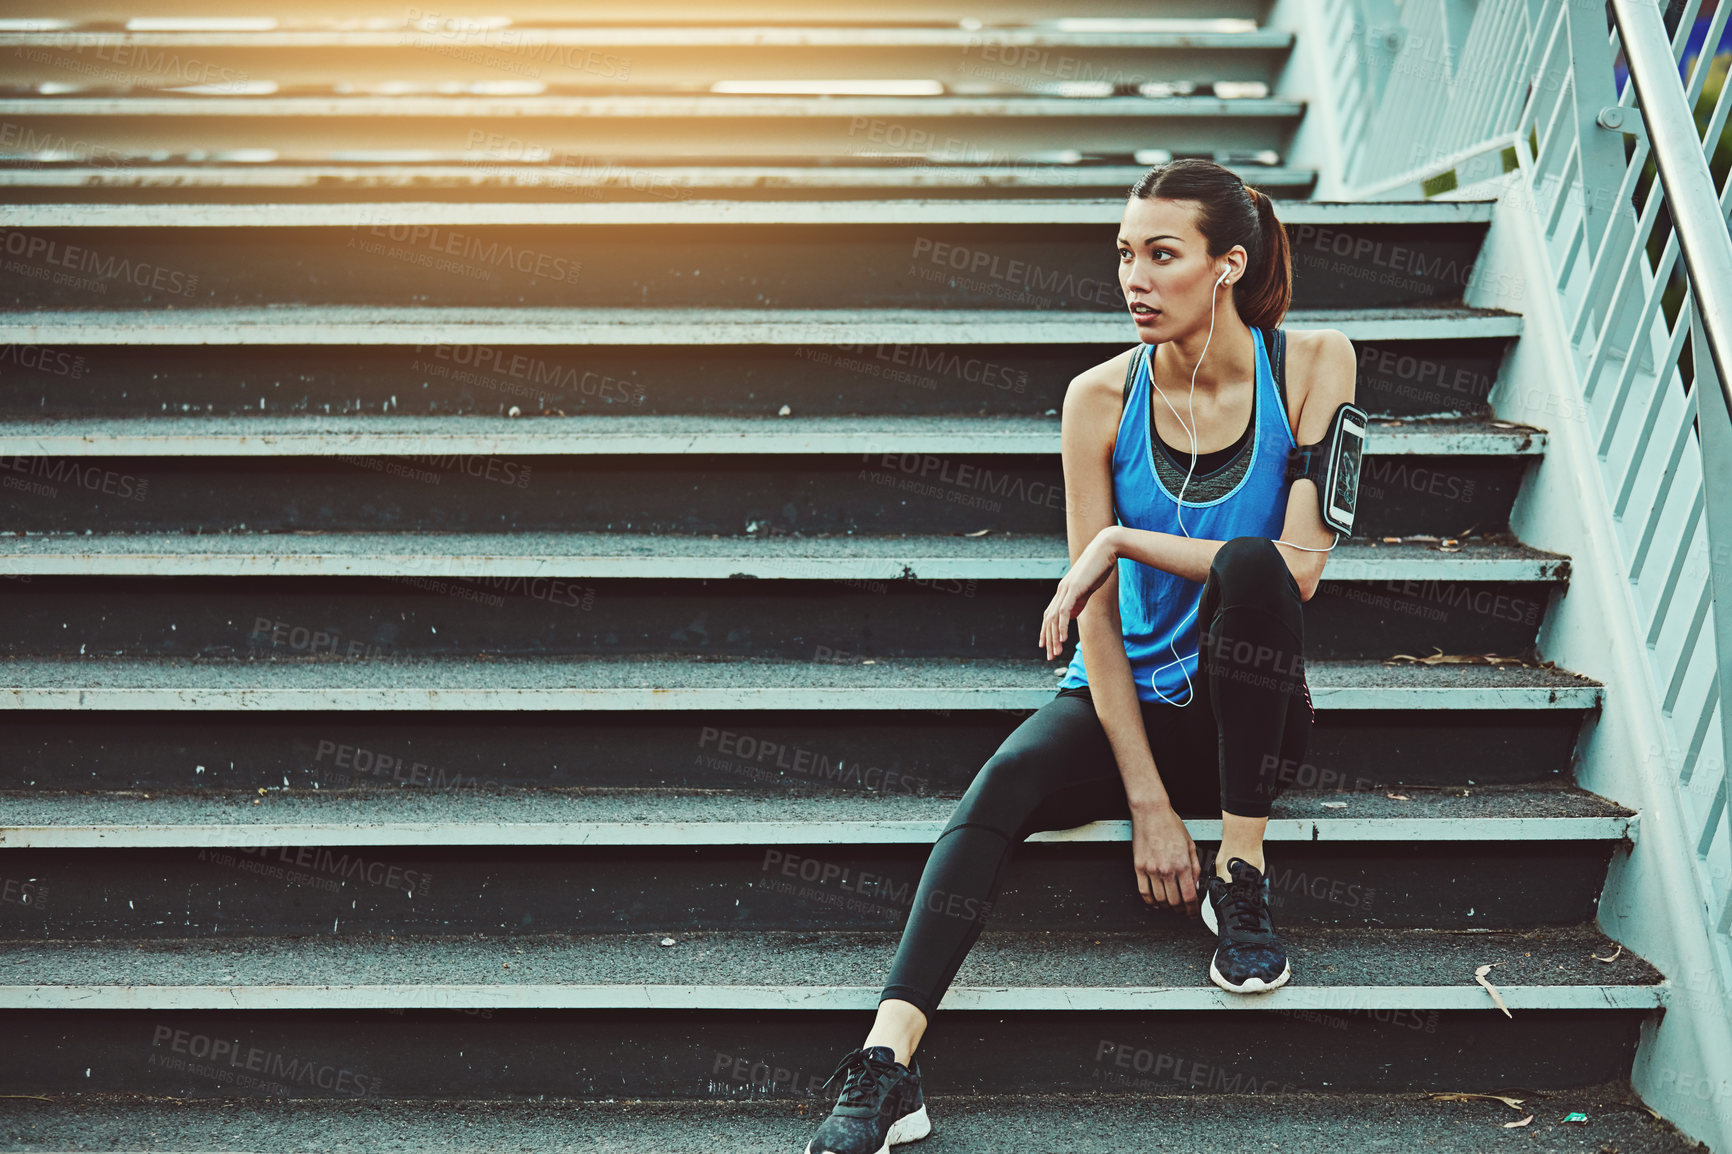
[[1479, 976]]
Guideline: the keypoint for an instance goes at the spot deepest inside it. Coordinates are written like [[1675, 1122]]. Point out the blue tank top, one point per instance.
[[1158, 609]]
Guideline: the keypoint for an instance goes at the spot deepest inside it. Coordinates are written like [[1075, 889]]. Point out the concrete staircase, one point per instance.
[[611, 523]]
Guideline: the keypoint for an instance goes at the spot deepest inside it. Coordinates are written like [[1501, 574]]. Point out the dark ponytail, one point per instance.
[[1230, 212]]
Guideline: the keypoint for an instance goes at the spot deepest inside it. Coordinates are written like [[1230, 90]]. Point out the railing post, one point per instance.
[[1607, 225]]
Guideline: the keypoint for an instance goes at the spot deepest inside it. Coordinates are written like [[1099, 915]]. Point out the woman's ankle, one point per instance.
[[899, 1025]]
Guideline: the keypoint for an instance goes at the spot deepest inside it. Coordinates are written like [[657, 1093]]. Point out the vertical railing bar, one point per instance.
[[1656, 399], [1623, 473], [1717, 120], [1692, 635], [1651, 523], [1651, 300], [1501, 47], [1704, 58], [1633, 256], [1711, 824], [1699, 733]]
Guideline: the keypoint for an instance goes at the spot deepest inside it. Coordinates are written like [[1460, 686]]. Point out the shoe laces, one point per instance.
[[866, 1078], [1242, 907]]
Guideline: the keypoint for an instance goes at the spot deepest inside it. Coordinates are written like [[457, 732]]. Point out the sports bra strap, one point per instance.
[[1274, 343]]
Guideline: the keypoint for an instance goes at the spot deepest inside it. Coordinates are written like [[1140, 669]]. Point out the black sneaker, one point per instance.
[[880, 1103], [1250, 958]]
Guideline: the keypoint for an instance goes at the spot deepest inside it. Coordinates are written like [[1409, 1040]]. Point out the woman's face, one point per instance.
[[1165, 271]]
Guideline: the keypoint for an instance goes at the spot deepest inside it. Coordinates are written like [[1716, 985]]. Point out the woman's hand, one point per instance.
[[1093, 566], [1165, 859]]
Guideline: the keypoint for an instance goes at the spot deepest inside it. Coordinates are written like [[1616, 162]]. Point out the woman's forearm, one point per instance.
[[1188, 557], [1117, 707]]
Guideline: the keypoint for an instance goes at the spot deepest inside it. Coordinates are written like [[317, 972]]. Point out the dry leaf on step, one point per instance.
[[1479, 976], [1442, 658], [1523, 1122], [1453, 1096]]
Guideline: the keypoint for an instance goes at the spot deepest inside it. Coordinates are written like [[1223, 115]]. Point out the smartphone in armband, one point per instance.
[[1332, 465]]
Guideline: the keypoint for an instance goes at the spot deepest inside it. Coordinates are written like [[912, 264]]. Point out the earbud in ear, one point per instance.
[[1222, 277]]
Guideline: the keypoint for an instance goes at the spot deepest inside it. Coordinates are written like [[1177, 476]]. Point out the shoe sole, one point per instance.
[[1249, 985], [908, 1128]]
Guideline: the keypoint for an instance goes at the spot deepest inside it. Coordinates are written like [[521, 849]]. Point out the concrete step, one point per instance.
[[689, 254], [818, 619], [1187, 1101], [859, 557], [651, 129], [819, 362], [1454, 480], [320, 14], [555, 181], [1358, 975], [71, 684], [432, 55], [590, 1020], [842, 751], [1304, 217], [655, 817], [470, 861], [872, 438], [443, 326]]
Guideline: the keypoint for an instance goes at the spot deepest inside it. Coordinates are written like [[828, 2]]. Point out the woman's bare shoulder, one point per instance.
[[1320, 362], [1098, 392]]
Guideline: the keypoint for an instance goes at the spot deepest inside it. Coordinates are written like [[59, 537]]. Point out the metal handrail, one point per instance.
[[1518, 98], [1699, 222]]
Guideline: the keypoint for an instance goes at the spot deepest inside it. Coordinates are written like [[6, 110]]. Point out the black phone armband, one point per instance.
[[1332, 464]]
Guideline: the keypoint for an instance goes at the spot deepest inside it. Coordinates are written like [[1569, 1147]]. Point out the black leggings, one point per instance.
[[1057, 770]]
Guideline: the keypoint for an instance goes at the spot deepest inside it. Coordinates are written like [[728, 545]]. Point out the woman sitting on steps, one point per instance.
[[1182, 529]]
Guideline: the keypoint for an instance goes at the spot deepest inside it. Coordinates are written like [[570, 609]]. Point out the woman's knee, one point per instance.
[[1248, 568], [1004, 793]]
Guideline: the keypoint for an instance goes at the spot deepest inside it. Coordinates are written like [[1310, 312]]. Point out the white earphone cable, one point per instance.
[[1179, 502]]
